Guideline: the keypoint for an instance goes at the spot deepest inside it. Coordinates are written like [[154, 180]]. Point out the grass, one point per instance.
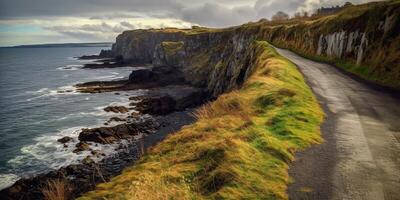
[[240, 146], [171, 48], [55, 190]]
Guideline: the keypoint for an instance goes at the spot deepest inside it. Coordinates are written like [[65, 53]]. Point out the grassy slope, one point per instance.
[[240, 146]]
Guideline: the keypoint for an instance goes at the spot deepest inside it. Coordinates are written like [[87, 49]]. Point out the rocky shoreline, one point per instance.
[[166, 106], [84, 177]]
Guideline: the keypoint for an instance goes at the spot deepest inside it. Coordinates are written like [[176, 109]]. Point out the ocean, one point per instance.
[[38, 105]]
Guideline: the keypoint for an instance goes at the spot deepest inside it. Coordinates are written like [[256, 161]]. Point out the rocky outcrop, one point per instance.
[[161, 75], [162, 101], [107, 135], [138, 46], [216, 60], [64, 139], [116, 109]]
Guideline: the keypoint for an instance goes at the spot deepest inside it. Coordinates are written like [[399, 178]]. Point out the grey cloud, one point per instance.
[[117, 16], [39, 8], [128, 25], [92, 32], [267, 8], [216, 13]]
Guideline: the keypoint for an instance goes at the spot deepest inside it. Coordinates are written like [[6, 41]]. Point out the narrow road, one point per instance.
[[360, 158]]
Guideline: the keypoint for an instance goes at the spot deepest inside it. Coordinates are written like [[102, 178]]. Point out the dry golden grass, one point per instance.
[[55, 190]]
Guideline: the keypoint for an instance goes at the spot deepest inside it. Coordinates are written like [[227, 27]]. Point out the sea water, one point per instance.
[[38, 105]]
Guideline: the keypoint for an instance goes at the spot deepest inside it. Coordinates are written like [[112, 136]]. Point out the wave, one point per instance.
[[7, 180], [108, 77], [48, 154], [45, 92], [42, 90], [70, 67]]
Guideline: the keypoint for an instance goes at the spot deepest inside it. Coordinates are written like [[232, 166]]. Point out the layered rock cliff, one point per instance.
[[364, 40], [218, 60]]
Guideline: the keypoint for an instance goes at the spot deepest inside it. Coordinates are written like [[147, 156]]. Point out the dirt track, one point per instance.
[[360, 158]]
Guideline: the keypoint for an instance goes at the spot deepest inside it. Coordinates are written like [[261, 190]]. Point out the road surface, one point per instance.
[[360, 158]]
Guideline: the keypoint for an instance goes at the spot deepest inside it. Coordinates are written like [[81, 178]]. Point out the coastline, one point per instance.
[[167, 98], [87, 175]]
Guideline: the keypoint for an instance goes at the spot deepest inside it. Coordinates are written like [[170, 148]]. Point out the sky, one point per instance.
[[62, 21]]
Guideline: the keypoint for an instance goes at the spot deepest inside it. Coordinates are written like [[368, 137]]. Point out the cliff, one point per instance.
[[216, 59], [363, 40], [241, 143]]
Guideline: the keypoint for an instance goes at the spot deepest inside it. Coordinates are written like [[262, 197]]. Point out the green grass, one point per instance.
[[240, 146], [171, 48]]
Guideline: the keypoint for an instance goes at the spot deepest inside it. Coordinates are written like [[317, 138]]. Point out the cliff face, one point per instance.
[[364, 40], [138, 46], [218, 60]]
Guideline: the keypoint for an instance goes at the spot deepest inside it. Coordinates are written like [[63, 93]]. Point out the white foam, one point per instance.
[[70, 67], [7, 180], [45, 92], [40, 91], [52, 154]]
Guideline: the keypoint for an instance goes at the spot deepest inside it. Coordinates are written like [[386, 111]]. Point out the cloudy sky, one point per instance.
[[59, 21]]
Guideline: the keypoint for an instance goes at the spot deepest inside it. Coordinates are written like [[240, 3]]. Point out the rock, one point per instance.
[[89, 57], [106, 135], [162, 101], [136, 98], [95, 152], [116, 119], [87, 160], [116, 109], [106, 54], [64, 140], [142, 75], [156, 105], [117, 93], [81, 146]]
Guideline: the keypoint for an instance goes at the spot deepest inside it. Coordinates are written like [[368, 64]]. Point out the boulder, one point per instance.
[[64, 140], [87, 161], [106, 135], [156, 105], [116, 119], [81, 146], [142, 75], [116, 109]]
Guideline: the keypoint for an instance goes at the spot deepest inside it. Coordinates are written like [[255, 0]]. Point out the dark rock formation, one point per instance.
[[107, 135], [156, 105], [64, 140], [128, 44], [116, 109], [138, 79], [116, 119], [161, 101], [81, 146], [106, 53]]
